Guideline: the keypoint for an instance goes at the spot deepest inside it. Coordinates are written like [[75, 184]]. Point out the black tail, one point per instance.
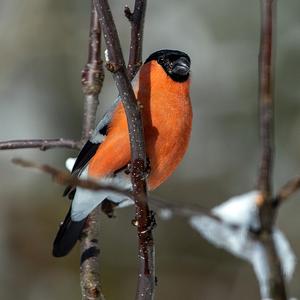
[[67, 236]]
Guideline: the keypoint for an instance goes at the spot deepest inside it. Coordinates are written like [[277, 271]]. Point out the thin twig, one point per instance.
[[92, 80], [42, 144], [266, 99], [189, 210], [183, 210], [92, 76], [267, 212], [144, 218], [89, 260], [137, 20], [286, 191], [276, 283], [65, 178], [266, 112]]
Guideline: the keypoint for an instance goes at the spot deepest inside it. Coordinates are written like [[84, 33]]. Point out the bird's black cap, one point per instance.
[[176, 63]]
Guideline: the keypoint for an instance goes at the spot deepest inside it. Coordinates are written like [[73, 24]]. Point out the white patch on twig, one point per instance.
[[240, 210], [286, 254]]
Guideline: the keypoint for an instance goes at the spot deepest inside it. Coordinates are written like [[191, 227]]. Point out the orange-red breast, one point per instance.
[[162, 89]]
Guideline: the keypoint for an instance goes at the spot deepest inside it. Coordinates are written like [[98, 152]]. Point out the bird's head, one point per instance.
[[175, 63]]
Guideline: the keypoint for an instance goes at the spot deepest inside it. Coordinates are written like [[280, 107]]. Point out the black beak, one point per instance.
[[181, 66]]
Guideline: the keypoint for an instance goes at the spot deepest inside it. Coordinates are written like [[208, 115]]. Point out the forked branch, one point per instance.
[[276, 284], [144, 218], [136, 19], [286, 191]]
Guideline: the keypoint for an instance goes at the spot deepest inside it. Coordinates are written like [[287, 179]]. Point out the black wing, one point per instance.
[[90, 147], [86, 153]]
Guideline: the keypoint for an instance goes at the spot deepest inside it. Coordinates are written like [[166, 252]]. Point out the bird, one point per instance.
[[162, 89]]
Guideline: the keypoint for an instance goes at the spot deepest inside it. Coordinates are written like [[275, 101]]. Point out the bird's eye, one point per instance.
[[160, 60]]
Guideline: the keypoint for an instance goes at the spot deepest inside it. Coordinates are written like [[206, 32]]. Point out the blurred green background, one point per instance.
[[42, 51]]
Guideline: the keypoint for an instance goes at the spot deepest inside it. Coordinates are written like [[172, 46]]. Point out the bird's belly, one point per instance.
[[166, 148]]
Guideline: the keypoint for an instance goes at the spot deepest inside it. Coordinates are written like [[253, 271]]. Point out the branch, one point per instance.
[[42, 144], [144, 218], [92, 80], [286, 191], [89, 259], [65, 178], [92, 76], [266, 99], [276, 284], [182, 210], [136, 20]]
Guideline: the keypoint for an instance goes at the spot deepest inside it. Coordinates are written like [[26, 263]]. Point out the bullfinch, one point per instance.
[[162, 89]]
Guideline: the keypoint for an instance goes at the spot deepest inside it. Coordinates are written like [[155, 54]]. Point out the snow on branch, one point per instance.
[[243, 240]]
